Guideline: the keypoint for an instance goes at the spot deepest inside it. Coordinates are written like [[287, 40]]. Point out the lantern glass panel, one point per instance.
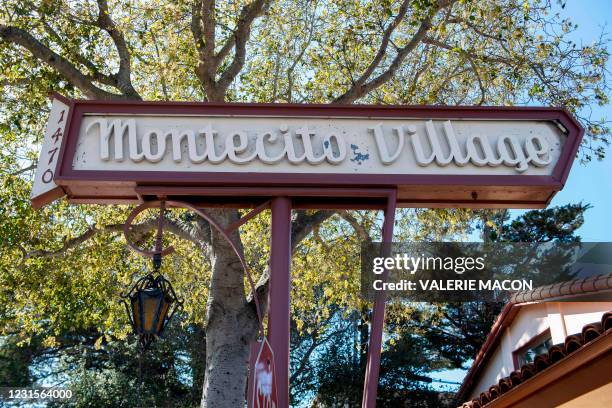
[[165, 305], [136, 314], [151, 306]]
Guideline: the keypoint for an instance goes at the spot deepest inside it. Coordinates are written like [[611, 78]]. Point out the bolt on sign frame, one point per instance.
[[305, 157]]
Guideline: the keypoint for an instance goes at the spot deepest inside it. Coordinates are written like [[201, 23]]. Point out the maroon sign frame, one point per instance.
[[476, 191]]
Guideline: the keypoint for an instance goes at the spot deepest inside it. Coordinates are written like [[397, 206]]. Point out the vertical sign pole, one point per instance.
[[378, 316], [278, 303]]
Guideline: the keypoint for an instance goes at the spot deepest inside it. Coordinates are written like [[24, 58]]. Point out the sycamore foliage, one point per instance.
[[63, 268]]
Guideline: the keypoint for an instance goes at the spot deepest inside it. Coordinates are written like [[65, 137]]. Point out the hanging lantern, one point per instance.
[[151, 302], [150, 305]]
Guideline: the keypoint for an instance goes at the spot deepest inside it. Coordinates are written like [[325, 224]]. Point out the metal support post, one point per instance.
[[280, 286], [378, 316]]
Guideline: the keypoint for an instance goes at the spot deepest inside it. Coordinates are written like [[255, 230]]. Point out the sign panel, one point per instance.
[[44, 188], [264, 393], [433, 156], [316, 145]]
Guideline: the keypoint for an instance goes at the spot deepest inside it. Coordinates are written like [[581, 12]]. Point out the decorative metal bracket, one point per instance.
[[159, 251]]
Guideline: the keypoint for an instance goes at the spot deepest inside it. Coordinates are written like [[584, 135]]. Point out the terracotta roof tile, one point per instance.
[[604, 283], [573, 343], [528, 371], [516, 377], [570, 288], [606, 321], [494, 392], [591, 332], [554, 354], [484, 398], [505, 384], [541, 362]]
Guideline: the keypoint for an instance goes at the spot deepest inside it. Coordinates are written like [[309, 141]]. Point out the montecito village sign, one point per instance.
[[436, 156]]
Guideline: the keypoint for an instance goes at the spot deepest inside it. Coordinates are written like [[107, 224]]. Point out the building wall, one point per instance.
[[577, 314], [562, 318]]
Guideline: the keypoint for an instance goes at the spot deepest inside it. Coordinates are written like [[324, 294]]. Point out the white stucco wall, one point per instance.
[[577, 314], [562, 318]]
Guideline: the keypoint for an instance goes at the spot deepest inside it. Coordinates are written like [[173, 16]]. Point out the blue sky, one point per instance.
[[591, 183]]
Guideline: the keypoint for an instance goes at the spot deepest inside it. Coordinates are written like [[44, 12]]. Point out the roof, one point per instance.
[[564, 290], [561, 291], [575, 343]]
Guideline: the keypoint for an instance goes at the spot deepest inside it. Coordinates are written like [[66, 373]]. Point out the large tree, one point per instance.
[[60, 266]]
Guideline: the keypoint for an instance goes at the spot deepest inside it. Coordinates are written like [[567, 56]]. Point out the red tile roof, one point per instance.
[[560, 291], [564, 290], [556, 353]]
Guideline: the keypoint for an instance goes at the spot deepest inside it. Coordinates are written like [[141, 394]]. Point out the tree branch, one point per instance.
[[225, 49], [76, 241], [203, 31], [304, 224], [382, 50], [316, 342], [23, 38], [241, 35], [105, 22], [14, 82], [359, 90], [480, 84], [95, 74], [138, 230], [203, 24], [289, 74], [24, 170], [440, 44], [359, 229]]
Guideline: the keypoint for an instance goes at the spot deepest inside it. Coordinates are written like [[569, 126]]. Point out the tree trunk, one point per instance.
[[231, 324], [364, 337], [197, 351]]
